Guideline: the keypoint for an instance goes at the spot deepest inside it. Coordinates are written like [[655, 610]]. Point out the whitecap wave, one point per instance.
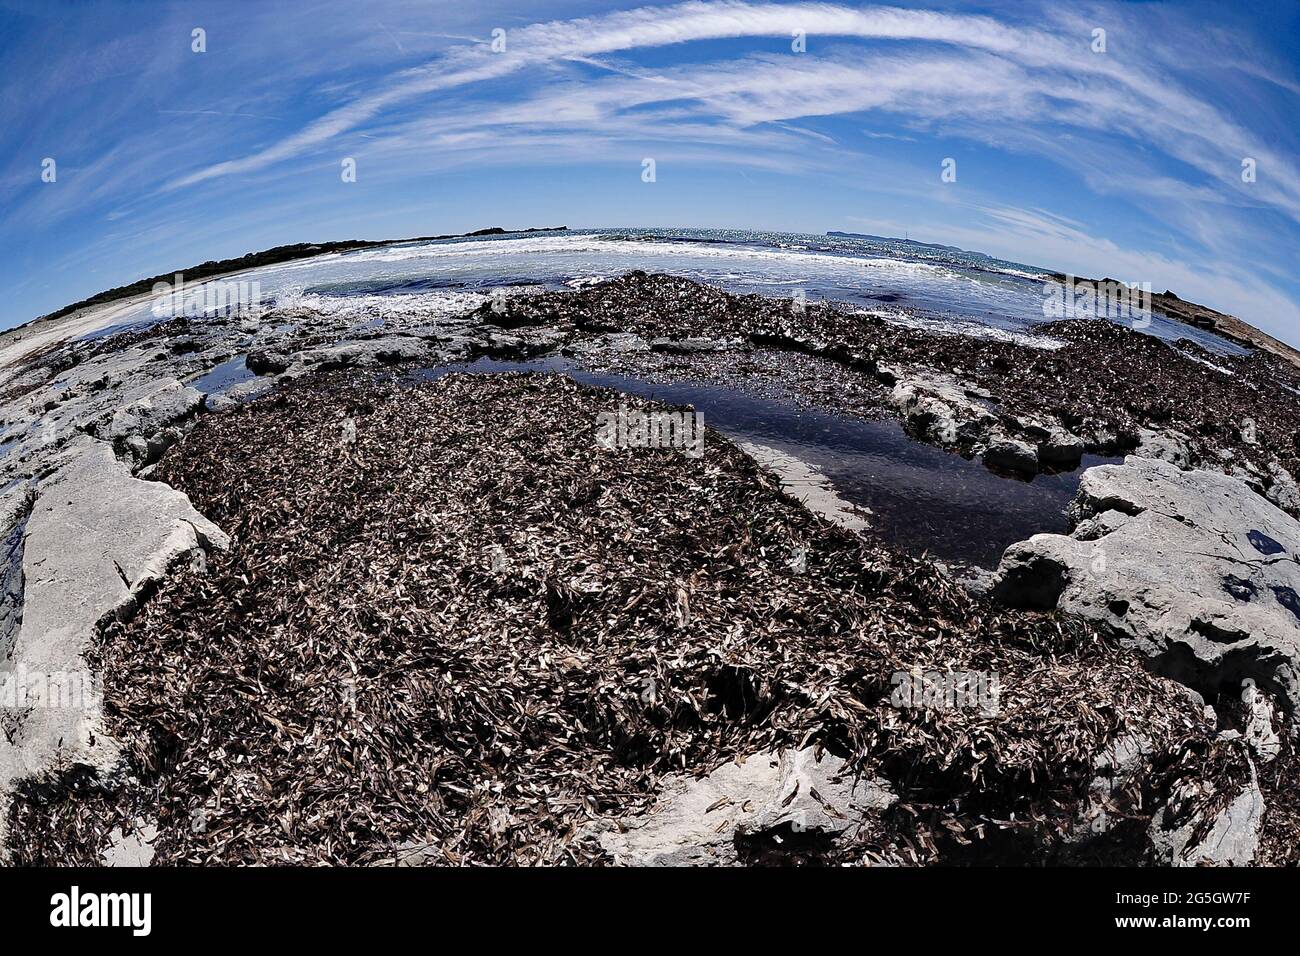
[[972, 330], [416, 305], [659, 249]]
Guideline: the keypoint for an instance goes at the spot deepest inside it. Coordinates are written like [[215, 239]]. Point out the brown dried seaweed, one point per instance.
[[458, 622]]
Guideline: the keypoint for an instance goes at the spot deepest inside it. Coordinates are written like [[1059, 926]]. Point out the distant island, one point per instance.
[[908, 242]]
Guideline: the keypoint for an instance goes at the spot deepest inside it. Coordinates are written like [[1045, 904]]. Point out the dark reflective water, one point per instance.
[[921, 498], [224, 376]]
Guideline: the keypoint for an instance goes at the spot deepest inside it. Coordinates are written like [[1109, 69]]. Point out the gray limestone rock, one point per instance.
[[1232, 838], [1260, 719], [144, 418], [1009, 454], [687, 346], [1191, 568], [264, 362], [1061, 449], [1171, 446], [700, 821], [1282, 489], [95, 540], [132, 847], [1057, 446], [940, 409]]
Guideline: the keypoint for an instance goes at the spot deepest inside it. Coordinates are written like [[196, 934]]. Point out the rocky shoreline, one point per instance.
[[482, 570]]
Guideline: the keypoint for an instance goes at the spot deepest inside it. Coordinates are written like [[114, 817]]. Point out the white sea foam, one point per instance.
[[1207, 364], [583, 282], [971, 330], [658, 249], [416, 305], [1021, 274]]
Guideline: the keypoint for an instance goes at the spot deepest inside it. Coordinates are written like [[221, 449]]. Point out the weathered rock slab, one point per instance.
[[133, 847], [1008, 454], [95, 540], [1191, 568], [940, 409], [1231, 840], [699, 821], [146, 417], [806, 482]]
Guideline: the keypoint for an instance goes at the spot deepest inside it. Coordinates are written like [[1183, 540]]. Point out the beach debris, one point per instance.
[[355, 677], [351, 678]]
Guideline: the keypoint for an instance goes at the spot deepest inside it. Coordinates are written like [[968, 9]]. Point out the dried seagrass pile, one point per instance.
[[450, 617]]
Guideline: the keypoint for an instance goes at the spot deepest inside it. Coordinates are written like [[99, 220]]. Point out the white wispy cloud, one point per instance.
[[973, 68], [630, 30]]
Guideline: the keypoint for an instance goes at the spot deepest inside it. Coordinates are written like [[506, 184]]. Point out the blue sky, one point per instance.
[[1126, 162]]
